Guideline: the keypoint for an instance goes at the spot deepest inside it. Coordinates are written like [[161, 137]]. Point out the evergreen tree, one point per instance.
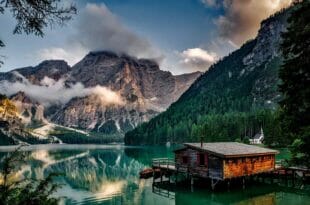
[[295, 76], [20, 191], [32, 16]]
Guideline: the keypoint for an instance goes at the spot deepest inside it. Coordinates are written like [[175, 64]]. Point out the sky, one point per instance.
[[181, 35]]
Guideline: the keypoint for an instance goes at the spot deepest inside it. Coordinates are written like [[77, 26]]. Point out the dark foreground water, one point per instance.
[[109, 175]]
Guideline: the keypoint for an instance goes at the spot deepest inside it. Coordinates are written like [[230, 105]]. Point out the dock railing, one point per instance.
[[163, 163], [280, 163]]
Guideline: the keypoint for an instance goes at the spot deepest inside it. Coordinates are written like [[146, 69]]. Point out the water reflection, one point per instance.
[[260, 194], [109, 175]]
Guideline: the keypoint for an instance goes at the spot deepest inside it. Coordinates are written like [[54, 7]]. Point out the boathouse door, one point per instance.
[[202, 159]]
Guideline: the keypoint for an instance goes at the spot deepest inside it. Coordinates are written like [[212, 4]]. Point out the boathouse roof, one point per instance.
[[230, 149]]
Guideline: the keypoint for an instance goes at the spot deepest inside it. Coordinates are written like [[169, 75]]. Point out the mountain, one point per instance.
[[145, 89], [12, 129], [30, 111], [54, 69], [231, 101], [104, 93]]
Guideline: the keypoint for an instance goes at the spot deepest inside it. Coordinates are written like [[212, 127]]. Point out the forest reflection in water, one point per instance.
[[109, 174]]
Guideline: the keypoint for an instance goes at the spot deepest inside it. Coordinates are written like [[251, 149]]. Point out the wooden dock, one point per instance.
[[223, 163], [164, 163], [165, 167]]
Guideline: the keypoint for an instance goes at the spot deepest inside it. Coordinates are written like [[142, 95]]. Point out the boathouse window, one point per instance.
[[185, 159], [201, 159]]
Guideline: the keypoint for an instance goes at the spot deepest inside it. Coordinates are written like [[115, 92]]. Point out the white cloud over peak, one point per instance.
[[51, 92], [71, 56], [97, 28], [198, 58]]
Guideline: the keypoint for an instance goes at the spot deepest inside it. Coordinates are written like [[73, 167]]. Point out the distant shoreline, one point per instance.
[[9, 148]]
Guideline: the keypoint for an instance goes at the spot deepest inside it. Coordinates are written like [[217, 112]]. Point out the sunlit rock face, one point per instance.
[[267, 58], [145, 89], [29, 110], [118, 91]]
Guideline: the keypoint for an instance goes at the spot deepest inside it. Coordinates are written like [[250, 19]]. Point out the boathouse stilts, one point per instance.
[[214, 183], [224, 162], [192, 183], [243, 182], [228, 184]]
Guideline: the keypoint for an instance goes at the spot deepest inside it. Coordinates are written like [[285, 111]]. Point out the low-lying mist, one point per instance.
[[51, 92]]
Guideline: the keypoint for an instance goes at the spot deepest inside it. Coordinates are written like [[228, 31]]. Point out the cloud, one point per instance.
[[107, 32], [241, 19], [210, 3], [198, 58], [51, 92], [97, 28], [71, 55]]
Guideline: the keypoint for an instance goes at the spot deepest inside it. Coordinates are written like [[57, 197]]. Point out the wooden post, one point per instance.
[[286, 180], [302, 180], [192, 183], [213, 183], [243, 182], [272, 178], [293, 179], [228, 184]]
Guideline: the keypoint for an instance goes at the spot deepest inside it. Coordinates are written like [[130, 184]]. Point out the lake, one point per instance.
[[109, 175]]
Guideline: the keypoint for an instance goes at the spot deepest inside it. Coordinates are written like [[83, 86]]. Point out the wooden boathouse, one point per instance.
[[224, 160], [219, 161]]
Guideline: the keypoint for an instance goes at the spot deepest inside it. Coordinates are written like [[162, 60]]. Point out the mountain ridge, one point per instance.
[[104, 93], [240, 87]]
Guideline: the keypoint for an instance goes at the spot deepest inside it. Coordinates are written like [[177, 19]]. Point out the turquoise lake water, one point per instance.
[[109, 174]]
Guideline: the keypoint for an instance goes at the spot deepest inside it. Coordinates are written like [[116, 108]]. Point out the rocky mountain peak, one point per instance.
[[108, 54], [144, 89], [54, 69]]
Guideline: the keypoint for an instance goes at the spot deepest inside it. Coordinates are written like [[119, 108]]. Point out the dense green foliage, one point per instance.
[[74, 137], [230, 102], [5, 140], [295, 86], [33, 16], [14, 189], [219, 106]]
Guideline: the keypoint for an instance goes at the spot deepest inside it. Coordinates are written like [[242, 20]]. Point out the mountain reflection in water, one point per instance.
[[109, 175]]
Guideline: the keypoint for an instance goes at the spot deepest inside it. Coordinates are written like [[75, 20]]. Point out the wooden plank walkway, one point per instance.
[[165, 167], [169, 165], [164, 163]]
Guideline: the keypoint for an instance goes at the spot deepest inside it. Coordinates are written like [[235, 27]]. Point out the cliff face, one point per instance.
[[142, 88], [12, 126], [266, 57], [29, 110], [53, 69], [145, 89]]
